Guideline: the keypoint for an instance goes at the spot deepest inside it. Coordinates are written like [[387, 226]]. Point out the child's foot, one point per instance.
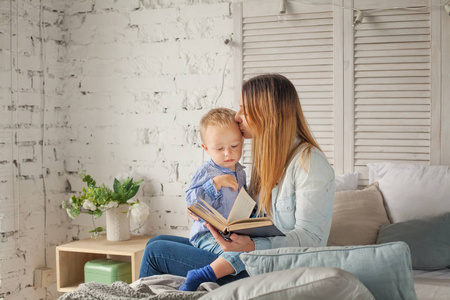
[[196, 277]]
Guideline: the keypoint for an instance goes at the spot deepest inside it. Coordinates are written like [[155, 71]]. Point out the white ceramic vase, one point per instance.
[[117, 223]]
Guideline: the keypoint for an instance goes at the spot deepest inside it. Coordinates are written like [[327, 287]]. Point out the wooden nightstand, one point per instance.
[[71, 257]]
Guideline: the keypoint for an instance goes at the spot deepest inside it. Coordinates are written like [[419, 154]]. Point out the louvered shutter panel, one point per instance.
[[392, 95], [300, 47]]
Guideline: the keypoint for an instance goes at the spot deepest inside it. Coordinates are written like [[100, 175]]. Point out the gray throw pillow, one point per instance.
[[384, 269], [428, 240], [297, 283]]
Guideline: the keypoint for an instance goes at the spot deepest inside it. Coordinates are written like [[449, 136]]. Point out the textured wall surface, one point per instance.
[[116, 87], [33, 143]]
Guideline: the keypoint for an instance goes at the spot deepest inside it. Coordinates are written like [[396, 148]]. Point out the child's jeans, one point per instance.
[[207, 242]]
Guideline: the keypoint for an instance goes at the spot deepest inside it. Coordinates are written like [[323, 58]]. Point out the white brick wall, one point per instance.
[[30, 217], [127, 82]]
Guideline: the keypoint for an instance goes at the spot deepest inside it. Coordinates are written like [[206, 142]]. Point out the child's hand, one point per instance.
[[225, 181], [193, 217]]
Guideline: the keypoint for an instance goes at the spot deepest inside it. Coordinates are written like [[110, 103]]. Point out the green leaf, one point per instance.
[[97, 213], [98, 229], [127, 184], [117, 186], [133, 191], [89, 180]]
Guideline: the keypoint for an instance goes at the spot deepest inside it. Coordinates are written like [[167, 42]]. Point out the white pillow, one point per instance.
[[345, 182], [297, 283], [412, 191]]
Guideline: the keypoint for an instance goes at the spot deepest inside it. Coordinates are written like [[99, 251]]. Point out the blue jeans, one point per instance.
[[166, 254], [206, 241]]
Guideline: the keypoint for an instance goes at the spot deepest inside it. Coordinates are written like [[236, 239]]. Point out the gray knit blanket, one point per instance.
[[160, 287]]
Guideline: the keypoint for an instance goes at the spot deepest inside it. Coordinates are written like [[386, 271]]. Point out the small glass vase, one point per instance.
[[117, 224]]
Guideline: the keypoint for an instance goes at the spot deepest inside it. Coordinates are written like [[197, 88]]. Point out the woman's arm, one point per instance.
[[313, 197]]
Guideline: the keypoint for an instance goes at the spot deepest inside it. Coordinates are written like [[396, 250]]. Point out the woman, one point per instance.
[[290, 175]]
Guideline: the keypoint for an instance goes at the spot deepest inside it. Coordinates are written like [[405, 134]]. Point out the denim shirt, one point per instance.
[[203, 187], [302, 204]]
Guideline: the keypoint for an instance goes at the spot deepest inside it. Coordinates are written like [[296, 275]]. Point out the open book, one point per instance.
[[239, 220]]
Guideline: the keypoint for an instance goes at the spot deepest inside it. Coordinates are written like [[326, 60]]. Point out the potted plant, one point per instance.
[[117, 203]]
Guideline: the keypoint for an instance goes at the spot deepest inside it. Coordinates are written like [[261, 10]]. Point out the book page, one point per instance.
[[203, 212], [215, 212], [242, 207]]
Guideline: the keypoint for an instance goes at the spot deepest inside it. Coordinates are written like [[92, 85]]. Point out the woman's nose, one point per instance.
[[237, 118]]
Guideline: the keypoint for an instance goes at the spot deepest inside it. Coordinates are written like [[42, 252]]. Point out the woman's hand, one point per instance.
[[238, 243]]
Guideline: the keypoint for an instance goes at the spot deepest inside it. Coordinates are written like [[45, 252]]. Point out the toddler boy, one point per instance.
[[218, 182]]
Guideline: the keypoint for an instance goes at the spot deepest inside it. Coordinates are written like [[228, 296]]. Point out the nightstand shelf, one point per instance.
[[71, 257]]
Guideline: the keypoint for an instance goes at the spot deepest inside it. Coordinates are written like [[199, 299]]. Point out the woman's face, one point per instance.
[[243, 125]]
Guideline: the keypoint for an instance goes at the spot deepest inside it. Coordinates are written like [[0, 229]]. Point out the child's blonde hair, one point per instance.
[[221, 117]]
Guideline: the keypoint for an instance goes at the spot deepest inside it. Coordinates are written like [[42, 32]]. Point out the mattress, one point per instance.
[[432, 285]]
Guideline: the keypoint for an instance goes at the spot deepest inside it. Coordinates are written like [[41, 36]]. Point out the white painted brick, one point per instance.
[[174, 189], [162, 32], [102, 84], [6, 153], [174, 66], [205, 10], [189, 82], [28, 135], [73, 22], [32, 98], [155, 84], [205, 45], [153, 16], [5, 119], [81, 37], [55, 4], [107, 51], [24, 81], [182, 154], [167, 203], [170, 49], [109, 20], [186, 171], [5, 82], [8, 215], [176, 219], [187, 117], [27, 153], [76, 52], [126, 5], [80, 6]]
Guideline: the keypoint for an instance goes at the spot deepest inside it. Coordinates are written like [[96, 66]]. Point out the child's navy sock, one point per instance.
[[196, 277]]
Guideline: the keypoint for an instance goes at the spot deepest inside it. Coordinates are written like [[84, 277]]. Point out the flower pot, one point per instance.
[[117, 224]]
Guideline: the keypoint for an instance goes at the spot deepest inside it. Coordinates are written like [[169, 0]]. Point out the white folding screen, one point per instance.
[[366, 90], [300, 47], [392, 86]]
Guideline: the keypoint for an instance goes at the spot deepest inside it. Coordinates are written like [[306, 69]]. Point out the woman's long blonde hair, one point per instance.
[[272, 110]]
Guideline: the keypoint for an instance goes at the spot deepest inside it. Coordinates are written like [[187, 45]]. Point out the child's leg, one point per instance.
[[222, 267], [218, 268]]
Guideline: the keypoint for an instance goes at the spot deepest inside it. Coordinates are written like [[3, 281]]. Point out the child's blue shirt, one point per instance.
[[203, 187]]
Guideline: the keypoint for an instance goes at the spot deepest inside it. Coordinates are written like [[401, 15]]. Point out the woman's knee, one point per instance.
[[158, 238]]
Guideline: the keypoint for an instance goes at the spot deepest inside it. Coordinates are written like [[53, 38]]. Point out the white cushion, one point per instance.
[[412, 191], [297, 283], [345, 182]]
